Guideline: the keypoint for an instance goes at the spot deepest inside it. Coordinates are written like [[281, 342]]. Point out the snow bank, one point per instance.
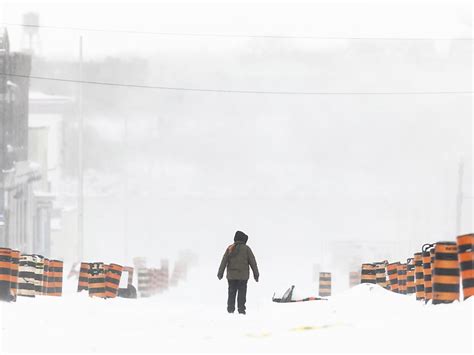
[[192, 318]]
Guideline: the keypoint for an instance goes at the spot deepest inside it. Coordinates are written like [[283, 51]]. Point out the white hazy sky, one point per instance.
[[381, 18]]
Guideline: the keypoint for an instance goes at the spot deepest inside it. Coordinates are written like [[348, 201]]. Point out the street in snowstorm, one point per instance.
[[236, 176]]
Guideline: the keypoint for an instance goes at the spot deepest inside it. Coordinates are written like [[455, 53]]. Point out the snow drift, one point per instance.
[[192, 318]]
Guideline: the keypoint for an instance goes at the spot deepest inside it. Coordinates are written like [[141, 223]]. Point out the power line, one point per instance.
[[217, 35], [231, 91]]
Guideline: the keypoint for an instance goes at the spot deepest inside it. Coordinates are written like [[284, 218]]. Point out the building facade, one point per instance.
[[50, 138], [24, 214]]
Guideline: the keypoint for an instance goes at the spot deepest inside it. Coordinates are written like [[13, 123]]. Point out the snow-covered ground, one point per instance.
[[192, 318]]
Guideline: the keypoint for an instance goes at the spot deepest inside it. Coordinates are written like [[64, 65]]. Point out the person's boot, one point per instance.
[[242, 312]]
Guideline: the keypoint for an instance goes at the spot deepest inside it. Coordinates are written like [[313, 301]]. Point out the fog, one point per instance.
[[366, 170]]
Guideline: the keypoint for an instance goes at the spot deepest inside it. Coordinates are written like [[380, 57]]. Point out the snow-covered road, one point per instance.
[[192, 318]]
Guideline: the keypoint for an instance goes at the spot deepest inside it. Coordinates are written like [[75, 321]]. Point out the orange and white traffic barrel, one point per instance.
[[97, 280], [367, 274], [144, 282], [83, 284], [164, 275], [26, 276], [112, 280], [466, 262], [324, 284], [153, 281], [427, 253], [411, 288], [44, 290], [446, 276], [39, 270], [419, 277], [381, 274], [14, 272], [5, 274], [402, 279], [56, 272], [392, 271], [50, 287]]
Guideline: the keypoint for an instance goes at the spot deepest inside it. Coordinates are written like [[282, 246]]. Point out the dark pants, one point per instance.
[[240, 287]]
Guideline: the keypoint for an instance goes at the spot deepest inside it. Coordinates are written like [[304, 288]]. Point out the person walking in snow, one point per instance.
[[237, 259]]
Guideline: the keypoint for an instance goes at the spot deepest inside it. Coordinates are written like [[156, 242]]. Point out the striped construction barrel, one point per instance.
[[367, 274], [58, 277], [144, 282], [402, 278], [324, 284], [83, 284], [381, 275], [14, 272], [39, 271], [155, 281], [446, 275], [154, 275], [49, 288], [410, 276], [26, 276], [106, 268], [419, 276], [158, 281], [164, 275], [46, 276], [55, 278], [5, 274], [112, 280], [466, 263], [426, 255], [97, 280], [354, 278], [432, 255], [392, 271]]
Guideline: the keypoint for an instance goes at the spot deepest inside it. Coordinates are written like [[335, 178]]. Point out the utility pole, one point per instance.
[[459, 197], [80, 166], [3, 116], [125, 189]]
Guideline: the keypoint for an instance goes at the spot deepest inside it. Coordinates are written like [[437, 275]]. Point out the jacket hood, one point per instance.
[[241, 237]]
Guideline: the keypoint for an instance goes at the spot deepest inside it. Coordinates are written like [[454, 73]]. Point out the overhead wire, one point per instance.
[[237, 91], [230, 35]]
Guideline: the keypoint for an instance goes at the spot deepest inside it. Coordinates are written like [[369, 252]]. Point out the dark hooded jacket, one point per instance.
[[237, 259]]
